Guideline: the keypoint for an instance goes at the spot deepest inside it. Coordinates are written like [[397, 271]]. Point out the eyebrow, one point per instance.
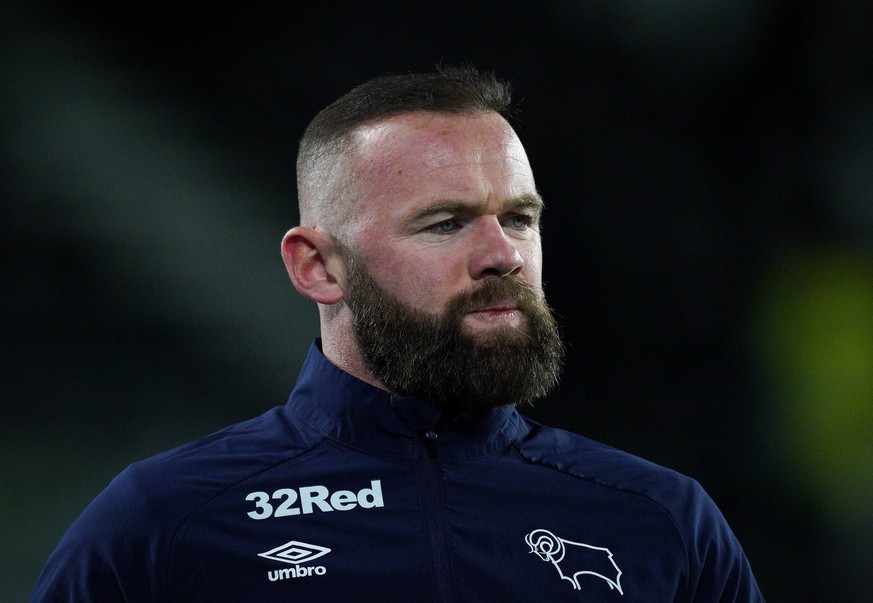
[[531, 202]]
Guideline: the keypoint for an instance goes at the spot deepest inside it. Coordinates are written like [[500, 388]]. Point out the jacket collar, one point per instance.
[[358, 415]]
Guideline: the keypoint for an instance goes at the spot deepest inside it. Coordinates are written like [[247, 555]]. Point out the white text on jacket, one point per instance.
[[313, 498]]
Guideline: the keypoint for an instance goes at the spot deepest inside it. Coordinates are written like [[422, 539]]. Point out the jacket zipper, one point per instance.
[[434, 519]]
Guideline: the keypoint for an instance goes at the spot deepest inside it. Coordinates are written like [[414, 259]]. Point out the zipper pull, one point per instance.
[[430, 442]]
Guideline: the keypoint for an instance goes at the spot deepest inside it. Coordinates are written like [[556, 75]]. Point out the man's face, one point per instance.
[[445, 259], [444, 203]]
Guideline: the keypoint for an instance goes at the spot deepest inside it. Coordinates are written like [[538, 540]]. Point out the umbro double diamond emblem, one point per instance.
[[296, 553]]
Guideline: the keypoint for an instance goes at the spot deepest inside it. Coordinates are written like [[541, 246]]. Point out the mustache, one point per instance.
[[495, 290]]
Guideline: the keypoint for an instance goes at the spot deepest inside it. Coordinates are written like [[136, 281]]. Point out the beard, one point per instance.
[[429, 356]]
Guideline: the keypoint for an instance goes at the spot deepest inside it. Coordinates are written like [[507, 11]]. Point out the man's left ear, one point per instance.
[[314, 263]]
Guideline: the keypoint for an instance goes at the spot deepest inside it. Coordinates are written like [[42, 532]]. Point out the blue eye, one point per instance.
[[445, 226], [519, 221]]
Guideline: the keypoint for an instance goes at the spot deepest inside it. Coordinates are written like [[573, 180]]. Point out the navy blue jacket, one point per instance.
[[348, 493]]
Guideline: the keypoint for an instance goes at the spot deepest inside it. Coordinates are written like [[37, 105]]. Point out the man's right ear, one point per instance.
[[314, 263]]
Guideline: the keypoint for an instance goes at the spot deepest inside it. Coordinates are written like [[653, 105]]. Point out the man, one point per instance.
[[400, 470]]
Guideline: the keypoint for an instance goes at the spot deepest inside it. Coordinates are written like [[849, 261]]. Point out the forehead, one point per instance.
[[418, 158]]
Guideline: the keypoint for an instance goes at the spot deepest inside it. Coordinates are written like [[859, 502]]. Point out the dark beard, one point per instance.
[[422, 355]]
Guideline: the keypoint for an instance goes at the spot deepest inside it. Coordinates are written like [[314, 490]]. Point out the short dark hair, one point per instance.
[[449, 89]]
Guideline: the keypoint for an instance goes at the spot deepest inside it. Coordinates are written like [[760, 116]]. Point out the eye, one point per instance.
[[445, 227], [519, 221]]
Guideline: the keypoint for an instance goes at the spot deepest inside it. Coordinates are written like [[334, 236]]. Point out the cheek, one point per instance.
[[420, 280], [533, 267]]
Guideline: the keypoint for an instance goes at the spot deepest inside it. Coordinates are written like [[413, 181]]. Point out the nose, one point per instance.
[[494, 253]]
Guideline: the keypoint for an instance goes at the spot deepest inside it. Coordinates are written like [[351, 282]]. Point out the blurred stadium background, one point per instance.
[[708, 170]]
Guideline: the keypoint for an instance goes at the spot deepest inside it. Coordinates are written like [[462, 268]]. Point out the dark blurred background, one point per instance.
[[708, 170]]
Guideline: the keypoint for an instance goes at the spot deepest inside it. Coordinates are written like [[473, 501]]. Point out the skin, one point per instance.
[[442, 202]]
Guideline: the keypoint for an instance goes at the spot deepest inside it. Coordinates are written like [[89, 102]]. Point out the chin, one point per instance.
[[499, 336]]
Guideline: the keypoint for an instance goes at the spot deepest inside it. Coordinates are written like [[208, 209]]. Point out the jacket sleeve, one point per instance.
[[719, 571], [111, 553]]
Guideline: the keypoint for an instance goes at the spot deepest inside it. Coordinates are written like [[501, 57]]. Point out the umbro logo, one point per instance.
[[296, 553]]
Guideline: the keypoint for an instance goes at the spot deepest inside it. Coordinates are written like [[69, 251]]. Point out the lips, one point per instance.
[[496, 309]]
